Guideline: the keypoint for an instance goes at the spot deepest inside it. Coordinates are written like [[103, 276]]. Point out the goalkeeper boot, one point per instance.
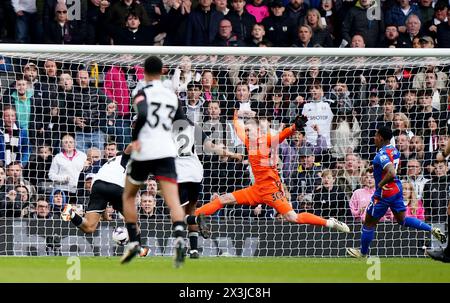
[[193, 254], [340, 226], [203, 228], [355, 253], [438, 255], [179, 252], [66, 214], [131, 250], [438, 234]]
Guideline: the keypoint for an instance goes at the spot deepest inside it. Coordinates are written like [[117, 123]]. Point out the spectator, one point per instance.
[[357, 22], [14, 144], [399, 13], [341, 102], [319, 113], [76, 14], [221, 6], [134, 33], [416, 42], [51, 125], [412, 30], [427, 110], [349, 177], [321, 36], [409, 104], [24, 195], [296, 11], [435, 194], [2, 184], [289, 151], [225, 36], [84, 191], [14, 173], [280, 30], [118, 12], [96, 27], [402, 144], [28, 24], [304, 179], [329, 200], [414, 206], [38, 167], [199, 32], [258, 9], [147, 206], [358, 41], [87, 113], [110, 151], [426, 42], [402, 125], [66, 167], [11, 207], [22, 100], [66, 104], [42, 210], [210, 87], [182, 76], [58, 200], [415, 176], [257, 35], [426, 10], [391, 35], [63, 31], [305, 37], [331, 19], [345, 134], [419, 81], [417, 147], [175, 21], [440, 16], [362, 197], [193, 104], [241, 20], [120, 80]]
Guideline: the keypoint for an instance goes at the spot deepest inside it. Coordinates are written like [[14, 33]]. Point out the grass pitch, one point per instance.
[[222, 269]]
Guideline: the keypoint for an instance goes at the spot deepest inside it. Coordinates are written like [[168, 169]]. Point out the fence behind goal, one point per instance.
[[48, 92]]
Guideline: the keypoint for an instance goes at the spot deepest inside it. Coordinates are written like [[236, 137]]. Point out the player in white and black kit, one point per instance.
[[190, 175], [107, 186], [154, 152]]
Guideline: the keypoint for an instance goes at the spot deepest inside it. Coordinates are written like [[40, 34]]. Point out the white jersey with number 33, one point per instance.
[[155, 136]]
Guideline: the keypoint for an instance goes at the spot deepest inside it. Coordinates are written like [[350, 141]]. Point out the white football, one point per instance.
[[120, 236]]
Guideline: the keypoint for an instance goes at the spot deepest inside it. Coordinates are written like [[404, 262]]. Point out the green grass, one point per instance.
[[160, 269]]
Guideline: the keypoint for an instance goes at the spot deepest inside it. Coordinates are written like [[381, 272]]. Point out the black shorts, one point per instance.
[[103, 192], [162, 169], [189, 191]]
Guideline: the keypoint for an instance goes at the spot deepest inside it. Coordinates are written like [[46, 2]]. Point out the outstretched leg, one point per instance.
[[420, 225], [308, 218]]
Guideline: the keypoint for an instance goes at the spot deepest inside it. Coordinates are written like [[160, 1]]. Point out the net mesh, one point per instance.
[[323, 169]]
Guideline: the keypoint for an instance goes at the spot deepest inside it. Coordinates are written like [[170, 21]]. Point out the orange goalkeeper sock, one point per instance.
[[209, 208], [307, 218]]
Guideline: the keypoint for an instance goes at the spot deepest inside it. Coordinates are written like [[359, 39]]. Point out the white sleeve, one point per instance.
[[53, 173]]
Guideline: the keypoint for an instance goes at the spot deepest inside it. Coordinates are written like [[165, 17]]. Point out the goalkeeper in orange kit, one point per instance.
[[267, 189]]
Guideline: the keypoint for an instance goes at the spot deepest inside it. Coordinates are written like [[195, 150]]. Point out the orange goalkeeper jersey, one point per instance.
[[262, 152]]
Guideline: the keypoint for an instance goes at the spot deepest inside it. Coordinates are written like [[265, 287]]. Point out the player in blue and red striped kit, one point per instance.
[[388, 194]]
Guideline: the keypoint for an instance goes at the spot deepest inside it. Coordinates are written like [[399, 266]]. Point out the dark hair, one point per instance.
[[385, 132], [153, 65]]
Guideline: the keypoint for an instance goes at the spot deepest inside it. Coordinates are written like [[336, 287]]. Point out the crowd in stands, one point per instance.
[[59, 124], [264, 23], [56, 132]]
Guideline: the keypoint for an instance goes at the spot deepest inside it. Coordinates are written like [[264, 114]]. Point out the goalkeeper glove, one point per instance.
[[300, 122]]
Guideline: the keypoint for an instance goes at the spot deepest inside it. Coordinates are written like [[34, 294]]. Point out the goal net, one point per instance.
[[50, 94]]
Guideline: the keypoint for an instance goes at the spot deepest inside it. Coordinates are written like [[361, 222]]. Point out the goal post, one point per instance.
[[345, 93]]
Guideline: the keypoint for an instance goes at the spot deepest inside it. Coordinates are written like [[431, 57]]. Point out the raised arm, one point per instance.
[[240, 130]]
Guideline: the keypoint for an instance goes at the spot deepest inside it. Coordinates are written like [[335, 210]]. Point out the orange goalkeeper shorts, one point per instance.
[[255, 195]]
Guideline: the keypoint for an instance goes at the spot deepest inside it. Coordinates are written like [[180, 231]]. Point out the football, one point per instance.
[[120, 236]]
